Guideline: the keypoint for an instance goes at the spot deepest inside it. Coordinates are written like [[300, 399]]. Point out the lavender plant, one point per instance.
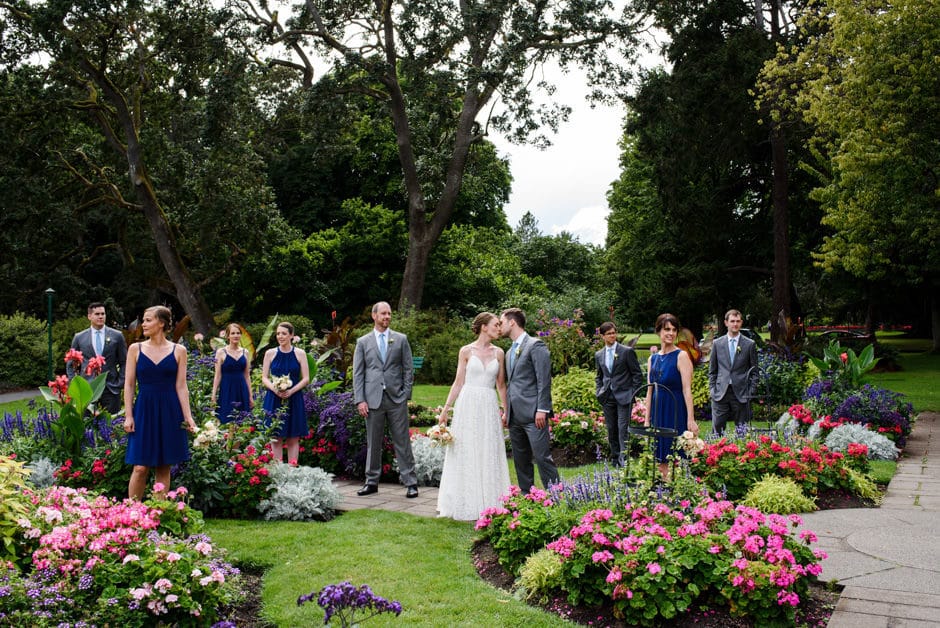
[[342, 601]]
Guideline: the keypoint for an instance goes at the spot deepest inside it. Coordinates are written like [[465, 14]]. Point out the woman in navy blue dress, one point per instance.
[[156, 422], [232, 382], [669, 399], [285, 373]]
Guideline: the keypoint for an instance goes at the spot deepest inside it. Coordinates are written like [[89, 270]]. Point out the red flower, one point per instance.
[[75, 357], [239, 468], [254, 480], [844, 357], [95, 365]]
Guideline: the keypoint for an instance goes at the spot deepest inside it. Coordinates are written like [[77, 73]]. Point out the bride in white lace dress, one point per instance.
[[475, 472]]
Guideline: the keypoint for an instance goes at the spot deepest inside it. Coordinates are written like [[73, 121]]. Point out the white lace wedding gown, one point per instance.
[[475, 471]]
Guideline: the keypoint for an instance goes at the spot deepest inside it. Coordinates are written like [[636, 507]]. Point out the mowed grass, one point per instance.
[[919, 380], [423, 563]]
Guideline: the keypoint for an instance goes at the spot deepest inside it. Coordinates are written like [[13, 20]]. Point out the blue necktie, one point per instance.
[[99, 345], [512, 355], [610, 358], [732, 344], [382, 347]]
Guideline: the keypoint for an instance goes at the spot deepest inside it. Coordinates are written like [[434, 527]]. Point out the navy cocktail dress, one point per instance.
[[667, 405], [234, 396], [293, 417], [159, 437]]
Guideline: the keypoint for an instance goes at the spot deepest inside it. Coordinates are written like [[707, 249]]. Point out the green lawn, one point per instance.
[[919, 380], [423, 563]]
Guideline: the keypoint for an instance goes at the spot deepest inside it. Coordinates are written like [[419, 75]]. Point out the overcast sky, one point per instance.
[[565, 186]]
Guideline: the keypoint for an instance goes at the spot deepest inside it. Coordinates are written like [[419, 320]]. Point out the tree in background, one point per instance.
[[866, 80], [159, 88], [437, 66]]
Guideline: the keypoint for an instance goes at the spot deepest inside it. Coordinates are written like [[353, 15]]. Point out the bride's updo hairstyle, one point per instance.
[[480, 321]]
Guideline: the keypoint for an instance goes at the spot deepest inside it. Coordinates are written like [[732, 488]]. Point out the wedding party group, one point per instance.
[[493, 390]]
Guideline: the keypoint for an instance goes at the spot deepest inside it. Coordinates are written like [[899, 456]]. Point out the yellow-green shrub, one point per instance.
[[778, 495]]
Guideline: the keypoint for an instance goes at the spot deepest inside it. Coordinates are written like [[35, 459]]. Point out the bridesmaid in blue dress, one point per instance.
[[287, 402], [232, 382], [669, 401], [157, 421]]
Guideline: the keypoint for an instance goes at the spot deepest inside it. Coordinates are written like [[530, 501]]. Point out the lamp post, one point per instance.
[[49, 294]]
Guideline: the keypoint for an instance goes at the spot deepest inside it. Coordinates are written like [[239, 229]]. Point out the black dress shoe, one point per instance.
[[368, 489], [412, 491]]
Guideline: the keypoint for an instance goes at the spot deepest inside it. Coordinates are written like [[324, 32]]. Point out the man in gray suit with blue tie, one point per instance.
[[101, 340], [383, 373], [732, 375], [529, 392], [617, 379]]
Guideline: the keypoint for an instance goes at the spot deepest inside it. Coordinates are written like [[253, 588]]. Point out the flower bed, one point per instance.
[[651, 561], [87, 558]]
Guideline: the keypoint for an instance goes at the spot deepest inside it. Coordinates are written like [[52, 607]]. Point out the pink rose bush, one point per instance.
[[88, 559], [653, 561]]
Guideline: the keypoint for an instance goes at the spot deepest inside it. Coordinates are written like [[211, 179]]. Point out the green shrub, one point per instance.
[[540, 574], [440, 355], [566, 339], [778, 495], [575, 391], [14, 505], [23, 351]]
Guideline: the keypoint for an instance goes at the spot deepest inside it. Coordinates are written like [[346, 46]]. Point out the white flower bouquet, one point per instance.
[[690, 443], [440, 435], [282, 383]]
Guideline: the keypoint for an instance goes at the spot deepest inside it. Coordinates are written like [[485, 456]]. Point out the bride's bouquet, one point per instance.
[[440, 435], [282, 382]]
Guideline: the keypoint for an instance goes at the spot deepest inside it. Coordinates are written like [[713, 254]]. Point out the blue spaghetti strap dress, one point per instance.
[[667, 405], [234, 396], [159, 437], [294, 416]]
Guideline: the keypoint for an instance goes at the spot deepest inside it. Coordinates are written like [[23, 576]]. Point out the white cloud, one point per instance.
[[588, 224]]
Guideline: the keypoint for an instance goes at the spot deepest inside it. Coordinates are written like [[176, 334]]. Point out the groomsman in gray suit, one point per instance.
[[383, 373], [529, 375], [101, 340], [732, 375], [617, 378]]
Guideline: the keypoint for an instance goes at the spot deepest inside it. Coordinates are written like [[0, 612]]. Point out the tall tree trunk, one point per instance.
[[781, 292], [778, 148], [129, 118]]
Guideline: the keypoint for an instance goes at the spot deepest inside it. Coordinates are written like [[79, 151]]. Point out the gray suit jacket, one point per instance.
[[623, 379], [114, 352], [371, 376], [530, 381], [741, 375]]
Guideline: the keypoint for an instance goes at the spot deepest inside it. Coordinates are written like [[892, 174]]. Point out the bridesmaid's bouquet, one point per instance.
[[690, 443], [282, 382], [440, 435]]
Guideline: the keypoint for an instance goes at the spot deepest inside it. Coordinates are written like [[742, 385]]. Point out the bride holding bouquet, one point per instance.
[[475, 471]]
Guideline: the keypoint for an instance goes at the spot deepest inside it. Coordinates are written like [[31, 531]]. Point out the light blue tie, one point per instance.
[[512, 355], [732, 345], [610, 358], [99, 344], [382, 348]]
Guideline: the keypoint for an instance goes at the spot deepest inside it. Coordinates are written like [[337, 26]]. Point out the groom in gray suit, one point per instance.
[[101, 340], [732, 375], [383, 373], [529, 373]]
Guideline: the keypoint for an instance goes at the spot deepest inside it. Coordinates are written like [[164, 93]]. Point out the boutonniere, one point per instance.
[[737, 349], [518, 350], [391, 340]]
